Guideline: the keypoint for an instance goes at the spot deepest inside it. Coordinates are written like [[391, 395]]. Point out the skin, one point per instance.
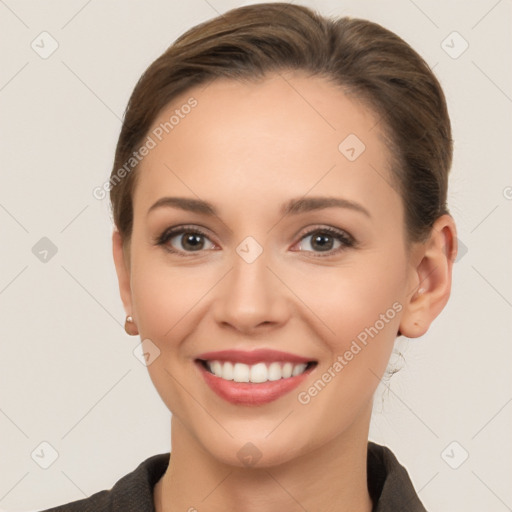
[[248, 148]]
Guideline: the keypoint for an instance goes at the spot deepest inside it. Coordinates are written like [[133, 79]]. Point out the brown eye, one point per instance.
[[325, 240], [322, 241], [185, 240], [190, 241]]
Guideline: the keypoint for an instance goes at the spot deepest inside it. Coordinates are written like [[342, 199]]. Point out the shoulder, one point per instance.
[[133, 492], [389, 484]]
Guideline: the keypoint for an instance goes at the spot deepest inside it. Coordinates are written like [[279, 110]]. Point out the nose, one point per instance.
[[252, 298]]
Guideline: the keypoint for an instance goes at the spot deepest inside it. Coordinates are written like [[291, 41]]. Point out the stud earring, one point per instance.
[[130, 327], [420, 291]]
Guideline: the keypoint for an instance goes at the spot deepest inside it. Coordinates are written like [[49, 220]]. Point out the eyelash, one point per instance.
[[344, 238]]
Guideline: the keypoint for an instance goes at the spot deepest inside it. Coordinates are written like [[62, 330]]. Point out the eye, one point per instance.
[[184, 239], [189, 239], [325, 240]]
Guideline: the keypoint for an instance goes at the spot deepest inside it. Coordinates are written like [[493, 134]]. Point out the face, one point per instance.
[[276, 266]]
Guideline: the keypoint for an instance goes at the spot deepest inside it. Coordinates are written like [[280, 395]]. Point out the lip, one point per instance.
[[261, 355], [248, 393]]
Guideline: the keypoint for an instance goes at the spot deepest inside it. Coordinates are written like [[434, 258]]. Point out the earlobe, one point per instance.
[[431, 279], [122, 271]]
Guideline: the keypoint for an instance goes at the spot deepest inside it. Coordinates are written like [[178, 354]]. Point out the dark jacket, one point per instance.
[[389, 486]]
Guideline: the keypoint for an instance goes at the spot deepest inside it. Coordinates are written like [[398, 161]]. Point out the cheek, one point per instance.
[[163, 295], [165, 299], [350, 299], [361, 307]]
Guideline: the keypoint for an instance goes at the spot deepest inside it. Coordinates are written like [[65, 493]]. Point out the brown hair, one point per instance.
[[361, 56]]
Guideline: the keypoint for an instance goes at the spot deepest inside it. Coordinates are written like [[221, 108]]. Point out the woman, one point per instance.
[[279, 198]]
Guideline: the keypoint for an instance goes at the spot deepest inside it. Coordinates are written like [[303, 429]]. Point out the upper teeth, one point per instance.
[[259, 372]]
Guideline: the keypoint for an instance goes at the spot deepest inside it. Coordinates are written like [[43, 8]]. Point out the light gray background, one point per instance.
[[67, 370]]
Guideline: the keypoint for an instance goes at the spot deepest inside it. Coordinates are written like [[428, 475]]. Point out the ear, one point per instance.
[[431, 278], [122, 264]]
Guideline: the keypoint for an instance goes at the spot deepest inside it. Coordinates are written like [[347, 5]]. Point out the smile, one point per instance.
[[255, 373]]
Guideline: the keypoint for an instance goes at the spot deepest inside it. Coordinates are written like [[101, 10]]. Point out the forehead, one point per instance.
[[286, 134]]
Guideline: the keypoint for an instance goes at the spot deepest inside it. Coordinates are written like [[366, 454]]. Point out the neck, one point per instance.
[[330, 478]]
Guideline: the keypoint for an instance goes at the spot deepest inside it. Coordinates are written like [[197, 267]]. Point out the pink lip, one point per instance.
[[261, 355], [248, 393]]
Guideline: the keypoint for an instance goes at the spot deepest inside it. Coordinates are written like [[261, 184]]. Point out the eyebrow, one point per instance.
[[292, 207]]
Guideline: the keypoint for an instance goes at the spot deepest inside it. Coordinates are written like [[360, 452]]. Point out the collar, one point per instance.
[[389, 484]]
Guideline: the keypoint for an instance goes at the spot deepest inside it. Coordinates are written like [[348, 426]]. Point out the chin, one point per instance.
[[252, 455]]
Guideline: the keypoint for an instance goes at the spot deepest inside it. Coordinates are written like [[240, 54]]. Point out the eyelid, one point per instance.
[[174, 230], [309, 230]]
